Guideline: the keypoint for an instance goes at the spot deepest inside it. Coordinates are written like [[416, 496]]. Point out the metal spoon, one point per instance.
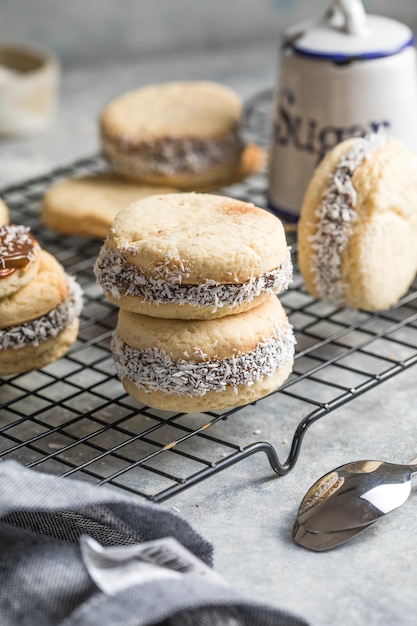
[[349, 499]]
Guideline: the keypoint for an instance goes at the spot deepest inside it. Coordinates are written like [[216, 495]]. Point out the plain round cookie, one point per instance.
[[44, 292], [4, 213], [358, 224], [181, 134], [19, 258], [191, 366], [87, 205], [193, 256]]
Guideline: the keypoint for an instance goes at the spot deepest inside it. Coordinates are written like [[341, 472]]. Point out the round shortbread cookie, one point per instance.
[[193, 256], [19, 258], [181, 134], [358, 224], [189, 366], [87, 205], [4, 213], [44, 292]]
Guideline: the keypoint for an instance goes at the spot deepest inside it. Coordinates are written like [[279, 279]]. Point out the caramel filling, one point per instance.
[[17, 248]]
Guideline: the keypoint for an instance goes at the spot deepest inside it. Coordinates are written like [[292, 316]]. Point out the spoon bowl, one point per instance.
[[348, 499], [321, 542]]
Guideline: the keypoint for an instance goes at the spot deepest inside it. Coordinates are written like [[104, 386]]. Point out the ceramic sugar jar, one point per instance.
[[342, 75]]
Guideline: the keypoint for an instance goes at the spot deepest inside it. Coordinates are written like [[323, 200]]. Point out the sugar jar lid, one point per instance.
[[347, 32]]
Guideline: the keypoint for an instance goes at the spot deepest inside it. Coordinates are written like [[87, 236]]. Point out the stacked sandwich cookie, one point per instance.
[[39, 304], [196, 278]]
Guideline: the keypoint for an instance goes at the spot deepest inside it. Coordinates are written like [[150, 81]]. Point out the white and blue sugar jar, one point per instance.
[[343, 75]]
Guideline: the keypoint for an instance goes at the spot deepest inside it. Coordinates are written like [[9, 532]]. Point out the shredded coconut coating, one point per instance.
[[120, 278], [170, 155], [154, 370], [46, 326], [334, 218]]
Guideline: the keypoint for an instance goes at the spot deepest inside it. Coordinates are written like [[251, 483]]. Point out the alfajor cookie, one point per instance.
[[185, 135], [196, 365], [358, 224], [39, 322], [193, 256], [19, 258], [4, 213], [87, 205]]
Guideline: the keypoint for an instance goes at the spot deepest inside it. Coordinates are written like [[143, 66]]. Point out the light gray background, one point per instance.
[[91, 31], [109, 46]]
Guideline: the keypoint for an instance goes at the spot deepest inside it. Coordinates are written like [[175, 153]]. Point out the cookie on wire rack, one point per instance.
[[193, 256], [358, 224], [87, 205], [185, 135], [202, 365], [39, 320]]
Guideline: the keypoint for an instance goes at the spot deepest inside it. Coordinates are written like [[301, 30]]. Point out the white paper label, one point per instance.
[[116, 568]]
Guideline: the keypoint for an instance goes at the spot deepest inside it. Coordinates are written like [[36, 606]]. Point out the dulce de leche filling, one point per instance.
[[17, 248]]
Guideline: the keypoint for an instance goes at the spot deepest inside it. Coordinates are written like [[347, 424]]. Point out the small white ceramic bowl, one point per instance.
[[29, 78]]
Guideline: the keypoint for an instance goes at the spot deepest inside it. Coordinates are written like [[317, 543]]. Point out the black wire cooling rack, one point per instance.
[[73, 417]]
